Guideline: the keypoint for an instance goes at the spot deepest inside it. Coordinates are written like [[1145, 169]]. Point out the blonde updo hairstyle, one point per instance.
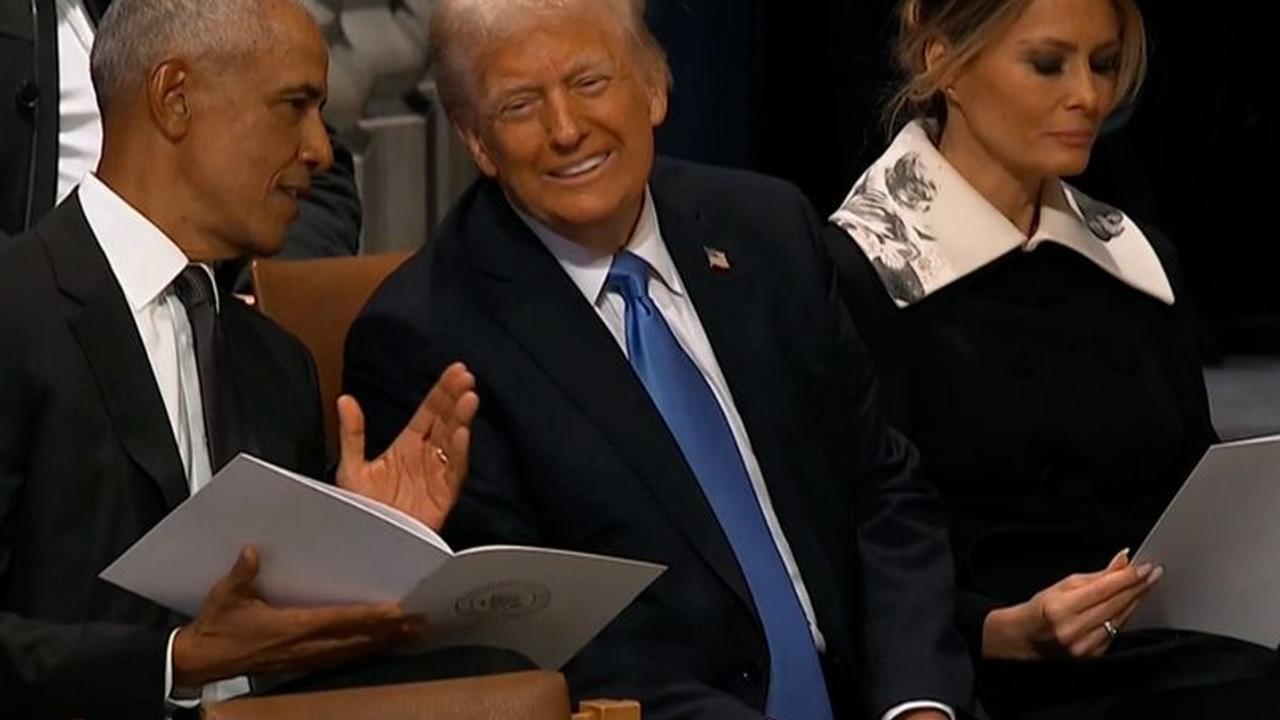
[[969, 27]]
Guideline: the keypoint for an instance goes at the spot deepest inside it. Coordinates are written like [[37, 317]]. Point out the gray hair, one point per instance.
[[460, 27], [136, 35]]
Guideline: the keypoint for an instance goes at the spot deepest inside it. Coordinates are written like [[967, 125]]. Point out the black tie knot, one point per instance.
[[194, 288]]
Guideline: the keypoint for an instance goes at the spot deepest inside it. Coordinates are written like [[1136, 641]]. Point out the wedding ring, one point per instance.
[[441, 455], [1110, 627]]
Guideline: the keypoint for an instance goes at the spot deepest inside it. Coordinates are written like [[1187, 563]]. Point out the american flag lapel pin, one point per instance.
[[717, 259]]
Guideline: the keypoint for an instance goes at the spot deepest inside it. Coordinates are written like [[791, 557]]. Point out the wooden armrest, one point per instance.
[[608, 710], [535, 695]]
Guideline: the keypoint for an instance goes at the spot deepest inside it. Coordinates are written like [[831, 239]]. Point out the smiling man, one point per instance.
[[126, 381], [666, 373]]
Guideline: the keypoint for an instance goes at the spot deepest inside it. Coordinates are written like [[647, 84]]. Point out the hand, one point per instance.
[[238, 633], [1067, 618], [421, 472]]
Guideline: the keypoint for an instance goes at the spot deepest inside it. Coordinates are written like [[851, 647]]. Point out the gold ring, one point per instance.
[[1110, 627], [441, 455]]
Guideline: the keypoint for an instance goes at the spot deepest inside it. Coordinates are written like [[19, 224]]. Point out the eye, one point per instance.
[[517, 107], [592, 84], [1108, 64], [1046, 64]]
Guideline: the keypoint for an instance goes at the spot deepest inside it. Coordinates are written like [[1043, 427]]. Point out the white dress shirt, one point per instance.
[[79, 120], [145, 263], [589, 272]]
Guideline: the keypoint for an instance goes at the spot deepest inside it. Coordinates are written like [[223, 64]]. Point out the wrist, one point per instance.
[[1008, 633], [191, 667]]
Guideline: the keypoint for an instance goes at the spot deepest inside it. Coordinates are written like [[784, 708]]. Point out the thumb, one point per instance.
[[240, 580], [351, 439]]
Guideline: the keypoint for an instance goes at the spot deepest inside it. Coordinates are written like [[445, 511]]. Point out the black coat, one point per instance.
[[88, 464]]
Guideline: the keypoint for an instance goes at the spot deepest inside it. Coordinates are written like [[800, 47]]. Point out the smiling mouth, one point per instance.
[[581, 169]]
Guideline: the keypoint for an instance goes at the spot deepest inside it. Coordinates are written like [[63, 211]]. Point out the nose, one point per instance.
[[1084, 92], [316, 151], [563, 123]]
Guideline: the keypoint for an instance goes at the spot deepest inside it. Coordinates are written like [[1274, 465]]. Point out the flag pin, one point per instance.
[[717, 259]]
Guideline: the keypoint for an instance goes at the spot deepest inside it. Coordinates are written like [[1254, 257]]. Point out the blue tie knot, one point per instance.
[[629, 277]]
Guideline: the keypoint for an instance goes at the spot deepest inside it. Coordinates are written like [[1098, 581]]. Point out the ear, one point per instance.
[[936, 50], [168, 97], [657, 91], [476, 149]]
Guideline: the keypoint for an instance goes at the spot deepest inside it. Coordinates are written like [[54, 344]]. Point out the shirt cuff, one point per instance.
[[181, 698], [905, 708]]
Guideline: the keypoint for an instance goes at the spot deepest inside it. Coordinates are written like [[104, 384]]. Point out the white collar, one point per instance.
[[143, 259], [589, 271], [923, 226]]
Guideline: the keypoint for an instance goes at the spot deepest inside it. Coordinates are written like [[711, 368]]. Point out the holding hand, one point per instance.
[[238, 633], [1078, 617]]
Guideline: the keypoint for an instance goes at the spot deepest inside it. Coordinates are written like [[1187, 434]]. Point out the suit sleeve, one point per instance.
[[60, 670], [912, 648]]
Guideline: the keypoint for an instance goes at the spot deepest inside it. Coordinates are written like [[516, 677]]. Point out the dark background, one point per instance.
[[794, 88]]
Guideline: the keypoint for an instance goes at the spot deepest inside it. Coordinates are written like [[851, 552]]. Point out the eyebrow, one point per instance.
[[1065, 45], [312, 92]]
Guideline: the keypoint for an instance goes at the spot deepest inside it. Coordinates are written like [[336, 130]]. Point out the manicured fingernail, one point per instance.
[[1155, 575], [1144, 570]]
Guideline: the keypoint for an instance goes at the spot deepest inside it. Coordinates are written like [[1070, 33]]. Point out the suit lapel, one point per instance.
[[533, 299], [108, 336]]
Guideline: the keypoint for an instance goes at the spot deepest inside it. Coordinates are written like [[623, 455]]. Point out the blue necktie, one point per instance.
[[796, 687]]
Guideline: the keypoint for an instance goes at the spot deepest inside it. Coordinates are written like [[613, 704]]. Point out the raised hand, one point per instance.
[[421, 472]]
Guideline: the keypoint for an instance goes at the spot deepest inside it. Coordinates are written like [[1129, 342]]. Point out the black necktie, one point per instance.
[[194, 288]]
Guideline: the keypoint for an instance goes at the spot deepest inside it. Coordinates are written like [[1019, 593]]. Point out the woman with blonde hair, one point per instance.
[[1034, 343]]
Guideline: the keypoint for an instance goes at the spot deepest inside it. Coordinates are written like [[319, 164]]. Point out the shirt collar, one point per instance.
[[143, 259], [589, 271], [923, 226]]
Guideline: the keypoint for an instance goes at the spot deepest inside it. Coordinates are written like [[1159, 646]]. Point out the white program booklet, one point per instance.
[[1219, 543], [322, 545]]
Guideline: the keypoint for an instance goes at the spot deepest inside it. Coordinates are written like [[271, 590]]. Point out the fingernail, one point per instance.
[[1122, 555], [1156, 575], [1144, 570]]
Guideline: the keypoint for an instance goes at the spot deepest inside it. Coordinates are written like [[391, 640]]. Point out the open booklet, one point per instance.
[[1219, 543], [322, 545]]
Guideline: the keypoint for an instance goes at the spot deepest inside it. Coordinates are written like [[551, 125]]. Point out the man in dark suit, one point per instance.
[[126, 380], [47, 144], [666, 374]]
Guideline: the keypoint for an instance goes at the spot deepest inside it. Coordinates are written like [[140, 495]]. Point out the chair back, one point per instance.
[[317, 300]]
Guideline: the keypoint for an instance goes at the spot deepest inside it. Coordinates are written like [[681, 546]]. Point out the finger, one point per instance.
[[454, 382], [351, 439], [1095, 616], [345, 620], [239, 581], [1103, 588], [1123, 618], [1097, 643], [324, 653], [1118, 562]]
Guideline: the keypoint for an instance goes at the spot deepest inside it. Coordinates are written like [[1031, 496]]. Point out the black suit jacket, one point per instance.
[[570, 452], [330, 221], [88, 464]]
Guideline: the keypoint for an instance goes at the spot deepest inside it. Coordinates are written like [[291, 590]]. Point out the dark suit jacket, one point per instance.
[[569, 451], [1057, 410], [88, 464], [330, 221]]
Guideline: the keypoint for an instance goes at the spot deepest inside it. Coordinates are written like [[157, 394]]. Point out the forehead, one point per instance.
[[549, 44], [295, 51], [1087, 22]]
